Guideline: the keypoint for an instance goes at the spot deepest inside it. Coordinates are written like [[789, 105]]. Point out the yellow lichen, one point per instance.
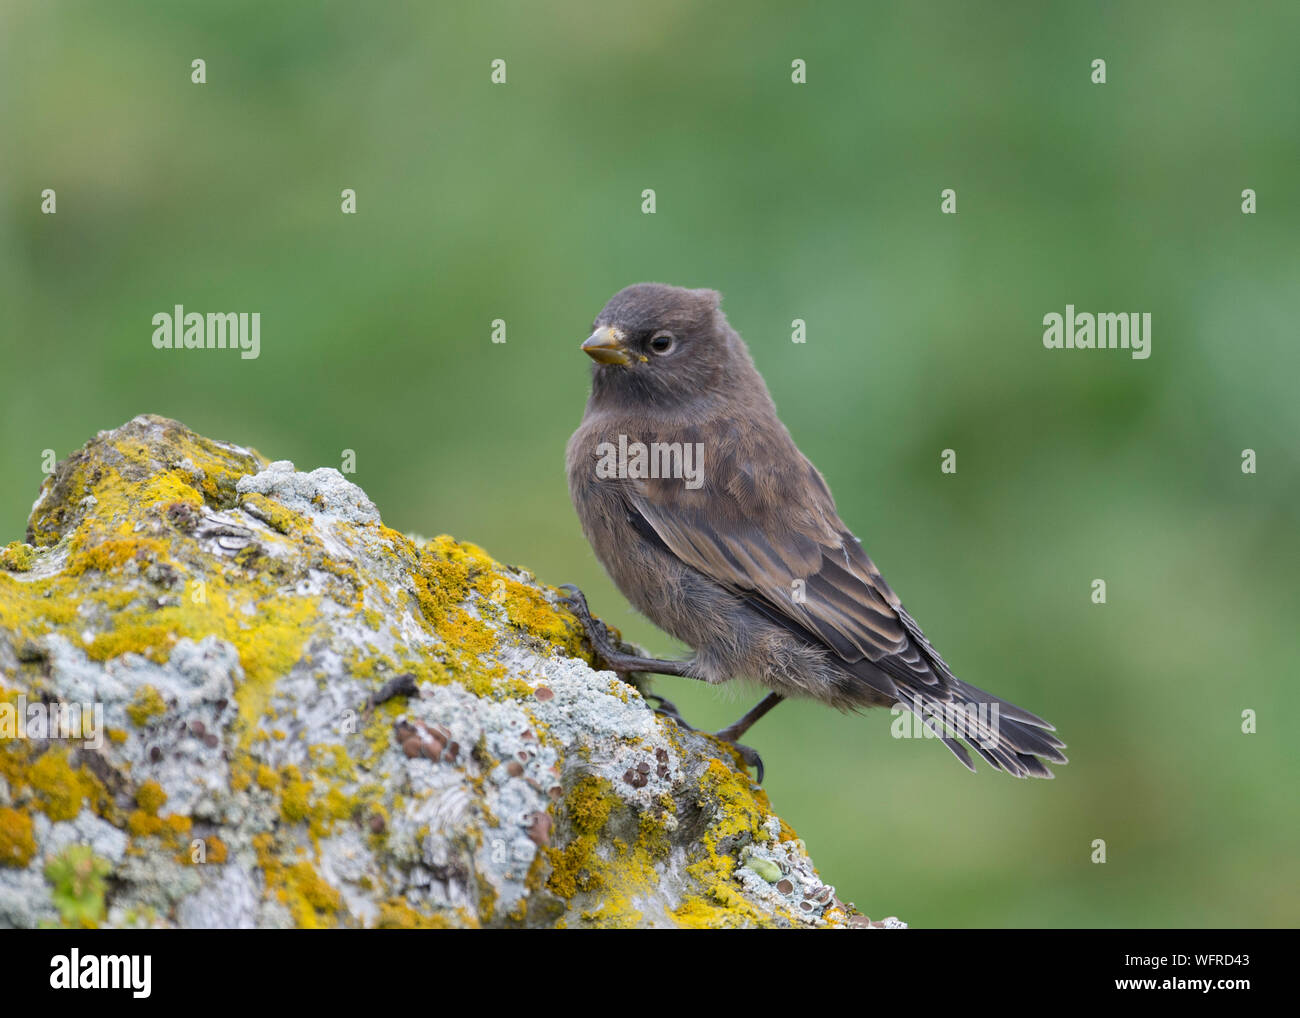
[[174, 466], [150, 797], [62, 788], [587, 807], [487, 901], [142, 824], [295, 796], [314, 892], [311, 901], [396, 914], [529, 610], [300, 803], [153, 640], [17, 557], [612, 879], [272, 513], [17, 845], [112, 554], [146, 705], [270, 650], [741, 810], [216, 850], [177, 824]]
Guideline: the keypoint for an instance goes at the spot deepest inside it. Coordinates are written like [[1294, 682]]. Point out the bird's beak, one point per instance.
[[605, 346]]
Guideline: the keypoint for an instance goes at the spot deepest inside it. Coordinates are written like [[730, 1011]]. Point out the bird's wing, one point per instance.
[[772, 535]]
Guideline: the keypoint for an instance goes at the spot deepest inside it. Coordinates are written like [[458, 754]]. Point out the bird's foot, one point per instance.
[[598, 634], [608, 652]]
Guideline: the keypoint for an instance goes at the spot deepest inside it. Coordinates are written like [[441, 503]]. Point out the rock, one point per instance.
[[231, 697]]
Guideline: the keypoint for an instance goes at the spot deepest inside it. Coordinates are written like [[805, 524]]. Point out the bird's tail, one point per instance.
[[1010, 738]]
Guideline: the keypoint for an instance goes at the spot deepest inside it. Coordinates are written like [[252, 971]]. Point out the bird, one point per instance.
[[712, 523]]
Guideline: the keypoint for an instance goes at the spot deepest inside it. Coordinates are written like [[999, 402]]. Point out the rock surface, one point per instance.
[[292, 715]]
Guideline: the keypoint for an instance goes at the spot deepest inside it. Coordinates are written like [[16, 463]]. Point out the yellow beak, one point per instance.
[[605, 346]]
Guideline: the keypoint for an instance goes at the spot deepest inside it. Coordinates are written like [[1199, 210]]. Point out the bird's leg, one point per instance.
[[603, 643], [738, 728]]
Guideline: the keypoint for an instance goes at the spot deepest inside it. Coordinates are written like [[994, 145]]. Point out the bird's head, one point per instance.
[[660, 344]]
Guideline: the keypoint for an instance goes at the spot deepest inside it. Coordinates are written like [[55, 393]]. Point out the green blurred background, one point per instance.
[[819, 202]]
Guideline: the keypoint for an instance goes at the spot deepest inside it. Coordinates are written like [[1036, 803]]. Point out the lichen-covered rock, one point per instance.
[[287, 714]]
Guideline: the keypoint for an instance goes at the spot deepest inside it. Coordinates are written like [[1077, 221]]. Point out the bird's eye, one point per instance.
[[662, 342]]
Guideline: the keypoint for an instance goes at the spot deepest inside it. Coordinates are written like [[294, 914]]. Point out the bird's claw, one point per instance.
[[573, 598], [597, 632], [747, 753]]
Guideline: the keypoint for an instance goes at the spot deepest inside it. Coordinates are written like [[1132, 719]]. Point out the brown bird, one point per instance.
[[715, 526]]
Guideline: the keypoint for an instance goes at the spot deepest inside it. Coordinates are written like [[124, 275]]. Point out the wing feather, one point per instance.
[[805, 565]]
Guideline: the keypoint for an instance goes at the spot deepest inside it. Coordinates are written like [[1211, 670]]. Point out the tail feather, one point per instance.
[[1010, 740], [1006, 707]]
